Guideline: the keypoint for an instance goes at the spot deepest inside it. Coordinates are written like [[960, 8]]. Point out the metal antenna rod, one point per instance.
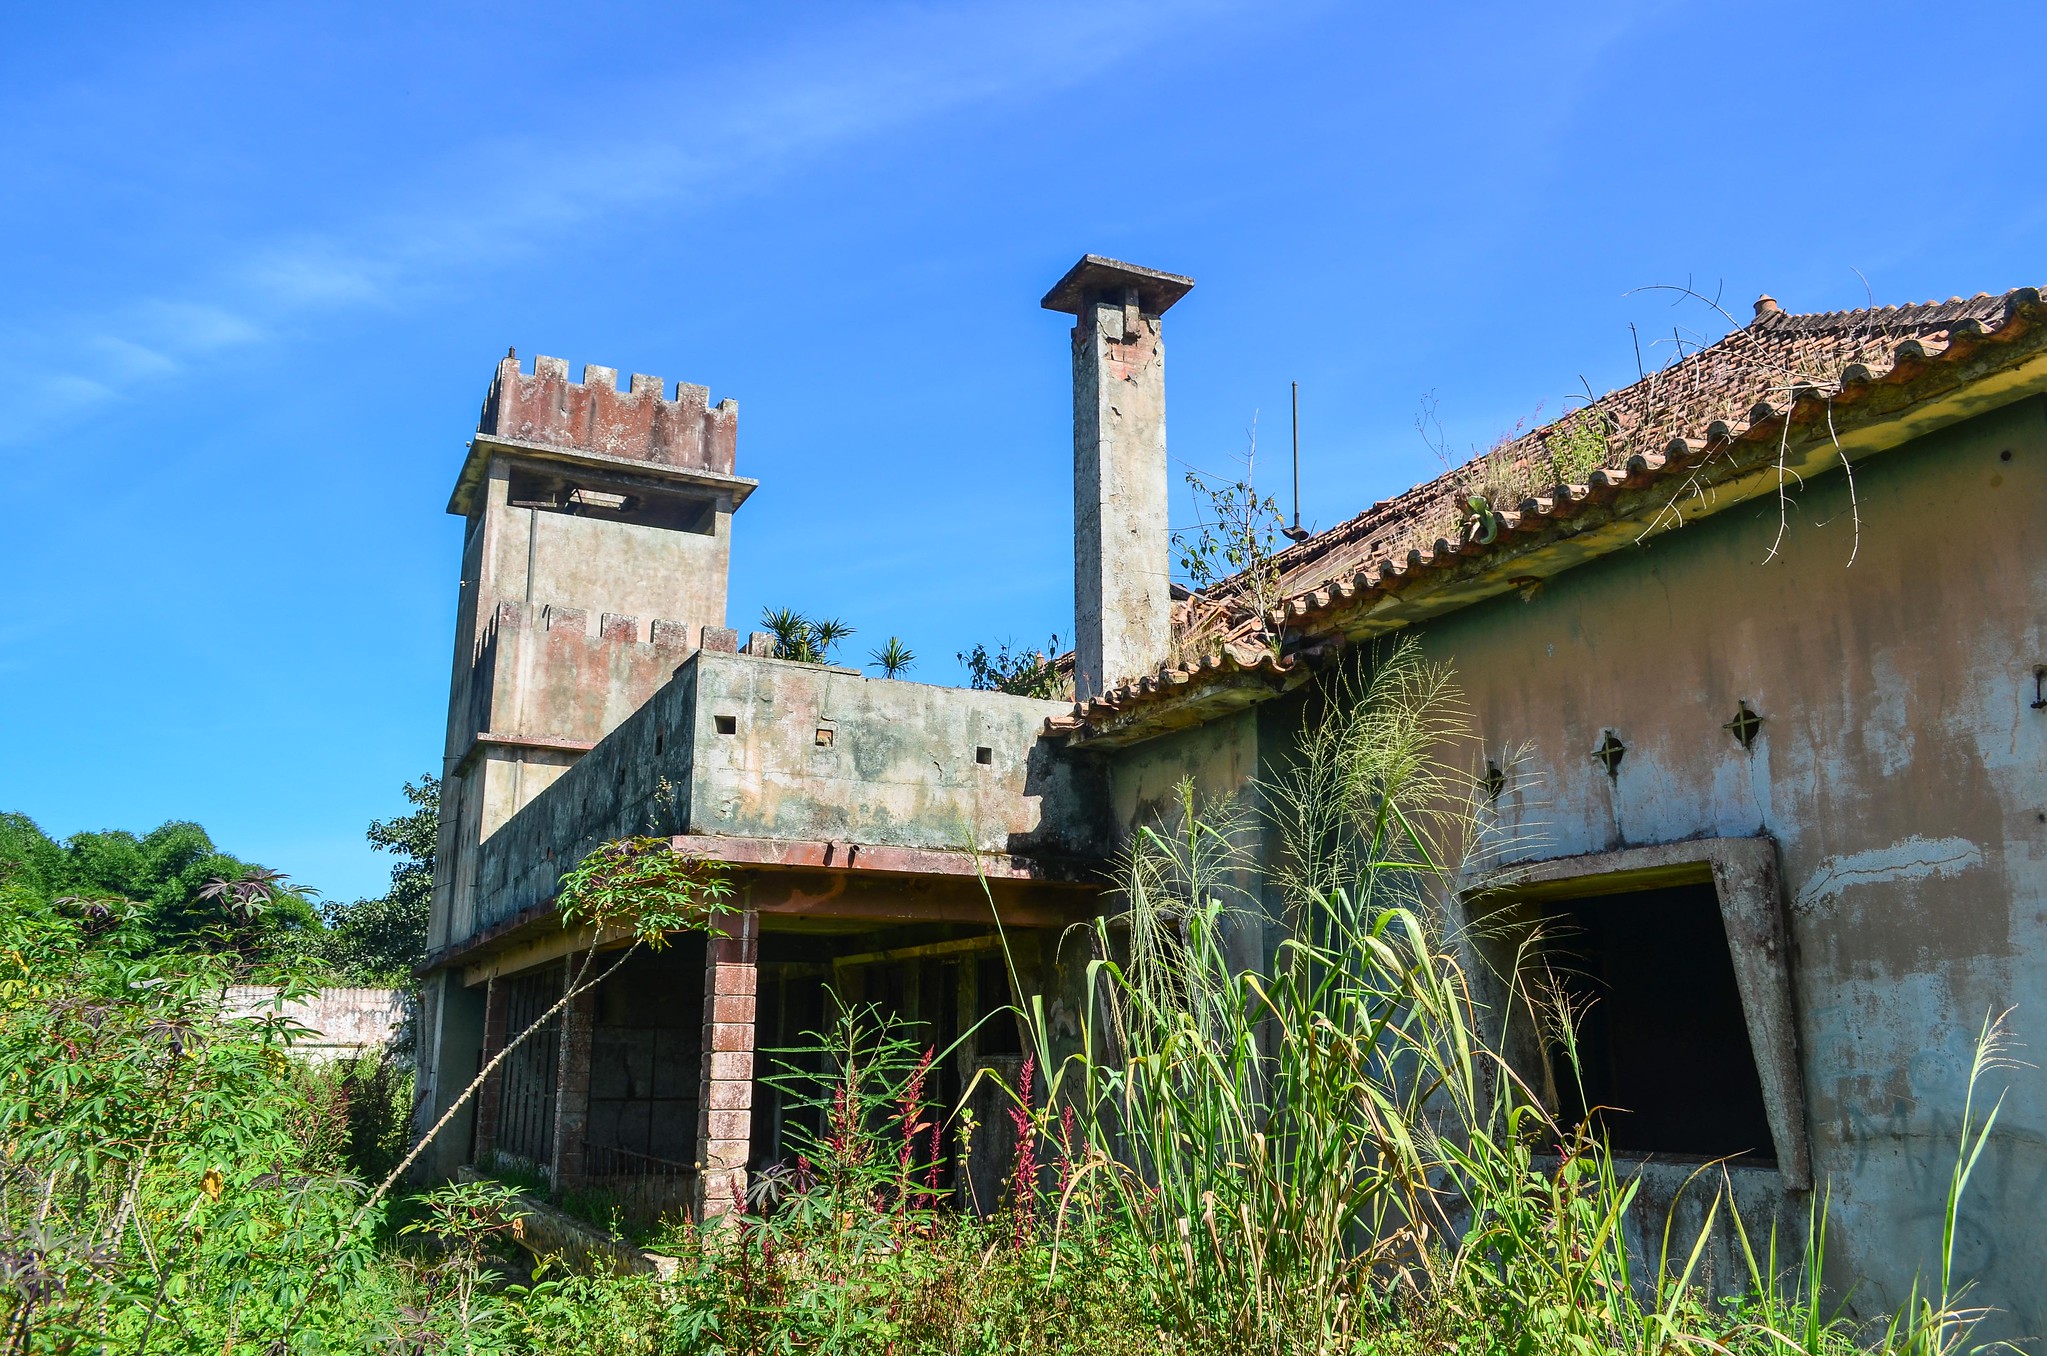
[[1296, 532]]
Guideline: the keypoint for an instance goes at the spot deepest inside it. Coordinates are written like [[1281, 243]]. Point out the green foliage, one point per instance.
[[1236, 532], [357, 1111], [1021, 673], [1577, 445], [645, 886], [167, 1181], [379, 941], [1230, 550], [893, 659], [803, 639], [160, 880]]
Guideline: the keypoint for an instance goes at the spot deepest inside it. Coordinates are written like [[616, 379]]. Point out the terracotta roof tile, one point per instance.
[[1670, 426]]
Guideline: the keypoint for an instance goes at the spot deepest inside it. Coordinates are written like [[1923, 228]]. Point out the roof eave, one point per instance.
[[476, 468]]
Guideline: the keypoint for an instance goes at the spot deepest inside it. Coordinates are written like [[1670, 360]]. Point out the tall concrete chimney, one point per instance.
[[1122, 554]]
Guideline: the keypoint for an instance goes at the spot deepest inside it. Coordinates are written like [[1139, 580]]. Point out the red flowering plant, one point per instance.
[[866, 1134]]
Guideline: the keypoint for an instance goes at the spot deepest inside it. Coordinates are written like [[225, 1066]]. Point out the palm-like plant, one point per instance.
[[799, 638], [825, 634], [893, 658]]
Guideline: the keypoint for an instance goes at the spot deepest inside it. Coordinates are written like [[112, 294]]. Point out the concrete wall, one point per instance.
[[593, 415], [900, 770], [344, 1022], [621, 788], [1900, 767], [549, 681], [819, 753], [543, 555]]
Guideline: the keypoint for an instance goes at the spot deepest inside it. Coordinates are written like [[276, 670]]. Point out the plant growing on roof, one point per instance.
[[1576, 445], [893, 658], [1020, 673], [803, 639], [1235, 536]]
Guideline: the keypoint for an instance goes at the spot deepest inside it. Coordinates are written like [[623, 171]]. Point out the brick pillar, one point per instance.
[[725, 1099], [487, 1096], [572, 1084]]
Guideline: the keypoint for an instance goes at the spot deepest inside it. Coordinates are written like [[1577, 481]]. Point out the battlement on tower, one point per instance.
[[544, 672], [639, 424]]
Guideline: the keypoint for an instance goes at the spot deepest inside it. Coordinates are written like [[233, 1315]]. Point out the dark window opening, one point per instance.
[[984, 756], [998, 1035], [1663, 1059], [613, 503], [726, 724], [646, 1051]]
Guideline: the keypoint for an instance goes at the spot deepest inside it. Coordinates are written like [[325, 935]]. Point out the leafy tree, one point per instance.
[[379, 941], [28, 858], [163, 876]]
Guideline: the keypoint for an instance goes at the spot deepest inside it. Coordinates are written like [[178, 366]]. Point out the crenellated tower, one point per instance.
[[594, 560]]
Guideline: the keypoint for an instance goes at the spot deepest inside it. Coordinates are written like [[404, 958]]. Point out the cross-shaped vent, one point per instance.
[[1745, 726], [1495, 782], [1609, 753]]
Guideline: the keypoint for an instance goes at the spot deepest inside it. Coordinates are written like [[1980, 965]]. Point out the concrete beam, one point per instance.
[[873, 858]]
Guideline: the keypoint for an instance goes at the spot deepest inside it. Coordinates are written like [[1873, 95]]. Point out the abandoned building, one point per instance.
[[1781, 763]]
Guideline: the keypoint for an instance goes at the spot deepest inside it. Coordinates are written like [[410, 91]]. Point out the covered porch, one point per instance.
[[656, 1090]]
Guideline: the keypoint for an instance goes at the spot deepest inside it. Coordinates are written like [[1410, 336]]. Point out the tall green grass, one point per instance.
[[1324, 1147]]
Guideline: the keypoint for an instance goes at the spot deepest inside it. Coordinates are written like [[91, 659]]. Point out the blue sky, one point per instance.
[[258, 263]]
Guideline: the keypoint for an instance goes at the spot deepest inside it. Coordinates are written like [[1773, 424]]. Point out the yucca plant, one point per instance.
[[803, 639], [893, 659]]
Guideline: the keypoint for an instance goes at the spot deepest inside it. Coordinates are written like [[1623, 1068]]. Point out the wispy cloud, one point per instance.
[[696, 143]]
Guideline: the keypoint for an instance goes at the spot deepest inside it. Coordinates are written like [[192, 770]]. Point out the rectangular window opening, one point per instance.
[[726, 724], [633, 504], [1663, 1062], [998, 1033], [984, 755]]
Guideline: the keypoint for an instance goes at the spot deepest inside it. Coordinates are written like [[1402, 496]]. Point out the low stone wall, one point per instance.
[[347, 1021]]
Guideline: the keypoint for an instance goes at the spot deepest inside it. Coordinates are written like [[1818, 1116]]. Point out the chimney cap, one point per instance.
[[1095, 276], [1766, 304]]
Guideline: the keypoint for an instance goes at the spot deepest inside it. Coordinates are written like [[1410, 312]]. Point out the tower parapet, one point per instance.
[[593, 415]]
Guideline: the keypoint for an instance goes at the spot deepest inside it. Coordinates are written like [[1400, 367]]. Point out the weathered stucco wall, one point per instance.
[[1220, 758], [820, 753], [635, 569], [620, 788], [899, 768], [1900, 766]]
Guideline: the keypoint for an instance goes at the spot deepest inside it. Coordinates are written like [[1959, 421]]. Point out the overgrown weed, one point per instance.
[[1271, 1135]]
